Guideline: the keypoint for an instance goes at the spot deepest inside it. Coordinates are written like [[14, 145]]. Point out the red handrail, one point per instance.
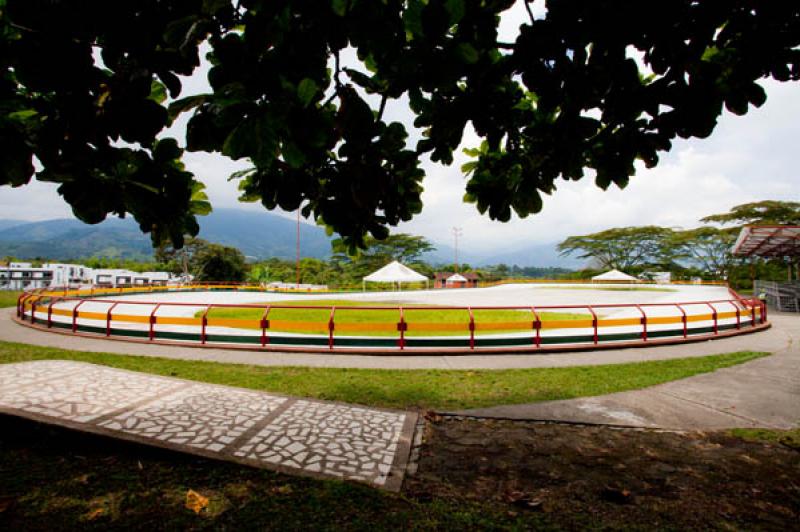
[[402, 324], [108, 318]]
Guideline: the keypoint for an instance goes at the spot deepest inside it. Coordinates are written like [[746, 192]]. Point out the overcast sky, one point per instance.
[[747, 158]]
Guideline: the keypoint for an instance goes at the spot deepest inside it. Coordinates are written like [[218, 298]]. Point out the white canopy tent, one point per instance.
[[394, 272], [455, 278], [614, 276]]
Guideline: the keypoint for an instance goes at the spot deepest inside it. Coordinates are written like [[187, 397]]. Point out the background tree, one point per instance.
[[401, 247], [621, 248], [768, 212], [179, 260], [707, 247], [214, 262], [591, 85]]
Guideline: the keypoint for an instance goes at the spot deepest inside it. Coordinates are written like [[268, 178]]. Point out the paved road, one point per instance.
[[298, 436], [771, 340], [761, 393]]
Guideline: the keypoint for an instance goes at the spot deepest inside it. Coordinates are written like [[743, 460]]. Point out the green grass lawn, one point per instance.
[[789, 438], [361, 316], [426, 389], [8, 298]]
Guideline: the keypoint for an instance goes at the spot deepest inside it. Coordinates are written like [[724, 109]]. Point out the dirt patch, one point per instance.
[[619, 478]]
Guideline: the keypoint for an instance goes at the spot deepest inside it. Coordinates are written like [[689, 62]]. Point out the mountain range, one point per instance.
[[258, 234]]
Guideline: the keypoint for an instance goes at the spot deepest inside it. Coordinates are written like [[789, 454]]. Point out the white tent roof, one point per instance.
[[614, 275], [394, 272], [456, 278]]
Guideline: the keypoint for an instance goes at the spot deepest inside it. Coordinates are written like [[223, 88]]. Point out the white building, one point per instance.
[[69, 274], [117, 278], [23, 276]]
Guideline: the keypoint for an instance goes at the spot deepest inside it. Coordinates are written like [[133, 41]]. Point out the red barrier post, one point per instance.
[[643, 322], [738, 316], [330, 328], [265, 326], [33, 310], [108, 318], [75, 316], [152, 332], [204, 324], [21, 304], [537, 326], [594, 324], [401, 326], [50, 312], [471, 328], [684, 320], [714, 316]]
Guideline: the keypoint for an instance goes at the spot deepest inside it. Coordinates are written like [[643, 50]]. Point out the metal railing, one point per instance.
[[390, 328], [782, 296]]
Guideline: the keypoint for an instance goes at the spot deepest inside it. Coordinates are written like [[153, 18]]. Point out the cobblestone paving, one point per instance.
[[342, 441], [265, 430], [207, 417]]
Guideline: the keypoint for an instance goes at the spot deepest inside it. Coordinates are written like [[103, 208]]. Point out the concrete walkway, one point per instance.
[[771, 340], [297, 436], [761, 393]]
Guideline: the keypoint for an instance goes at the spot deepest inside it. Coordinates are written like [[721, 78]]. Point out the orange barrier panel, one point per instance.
[[663, 320], [93, 315], [619, 322], [177, 320], [128, 318]]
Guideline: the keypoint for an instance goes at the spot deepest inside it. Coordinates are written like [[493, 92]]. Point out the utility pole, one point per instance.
[[457, 232], [297, 245]]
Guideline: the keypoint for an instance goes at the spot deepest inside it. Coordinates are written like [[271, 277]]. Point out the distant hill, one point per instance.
[[257, 234], [542, 255], [5, 224]]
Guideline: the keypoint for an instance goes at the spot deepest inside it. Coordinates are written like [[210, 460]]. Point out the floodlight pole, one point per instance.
[[457, 232]]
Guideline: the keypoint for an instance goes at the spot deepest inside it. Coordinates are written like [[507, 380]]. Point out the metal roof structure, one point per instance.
[[768, 241]]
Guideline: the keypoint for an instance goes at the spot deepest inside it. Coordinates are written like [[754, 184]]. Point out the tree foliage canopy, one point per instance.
[[621, 248], [594, 84], [707, 247], [767, 212]]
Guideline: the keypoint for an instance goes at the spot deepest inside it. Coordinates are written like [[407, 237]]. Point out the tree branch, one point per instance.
[[382, 107], [528, 9]]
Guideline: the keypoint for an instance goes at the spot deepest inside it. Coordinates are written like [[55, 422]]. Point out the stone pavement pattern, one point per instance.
[[280, 433], [761, 393]]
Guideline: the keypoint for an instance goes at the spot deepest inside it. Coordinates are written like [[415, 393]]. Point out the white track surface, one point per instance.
[[527, 295], [502, 295]]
